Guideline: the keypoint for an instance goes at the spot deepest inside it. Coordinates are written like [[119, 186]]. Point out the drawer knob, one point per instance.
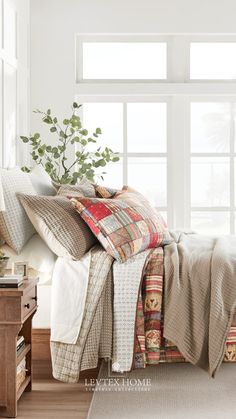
[[27, 305], [35, 298]]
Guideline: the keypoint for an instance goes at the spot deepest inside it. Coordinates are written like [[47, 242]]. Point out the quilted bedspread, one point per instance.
[[200, 296], [124, 316], [151, 347]]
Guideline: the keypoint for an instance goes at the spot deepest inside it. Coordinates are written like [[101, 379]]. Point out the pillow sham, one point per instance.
[[15, 227], [62, 229], [84, 188], [124, 225], [41, 181], [104, 191]]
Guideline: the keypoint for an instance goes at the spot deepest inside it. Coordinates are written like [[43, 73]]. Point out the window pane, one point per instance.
[[213, 60], [213, 223], [148, 175], [113, 176], [210, 127], [108, 117], [146, 125], [210, 181], [124, 60], [164, 215]]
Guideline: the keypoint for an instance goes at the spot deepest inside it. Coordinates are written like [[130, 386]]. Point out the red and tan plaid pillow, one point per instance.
[[125, 225]]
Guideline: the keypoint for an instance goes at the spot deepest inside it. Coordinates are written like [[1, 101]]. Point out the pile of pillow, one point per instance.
[[74, 218]]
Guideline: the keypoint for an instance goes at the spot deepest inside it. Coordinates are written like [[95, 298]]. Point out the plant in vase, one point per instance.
[[54, 158], [3, 262]]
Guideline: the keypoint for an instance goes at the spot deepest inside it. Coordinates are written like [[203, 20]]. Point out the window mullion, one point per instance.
[[178, 165], [232, 178], [125, 145]]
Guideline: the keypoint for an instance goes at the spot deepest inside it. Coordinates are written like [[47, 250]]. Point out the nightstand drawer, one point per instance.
[[29, 302]]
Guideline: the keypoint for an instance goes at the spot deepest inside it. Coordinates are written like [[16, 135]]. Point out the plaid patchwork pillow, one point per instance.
[[123, 227], [104, 191]]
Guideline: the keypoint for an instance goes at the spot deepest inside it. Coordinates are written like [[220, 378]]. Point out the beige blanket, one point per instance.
[[200, 296]]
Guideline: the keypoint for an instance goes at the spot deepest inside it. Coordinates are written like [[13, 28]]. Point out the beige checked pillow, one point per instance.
[[62, 229], [84, 188], [15, 227]]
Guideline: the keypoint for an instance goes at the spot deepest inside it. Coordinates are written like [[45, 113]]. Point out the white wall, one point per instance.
[[54, 24], [14, 79]]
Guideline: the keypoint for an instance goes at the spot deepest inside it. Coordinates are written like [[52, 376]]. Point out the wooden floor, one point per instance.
[[51, 399]]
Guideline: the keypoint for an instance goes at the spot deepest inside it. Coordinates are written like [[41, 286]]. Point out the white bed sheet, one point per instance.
[[69, 290]]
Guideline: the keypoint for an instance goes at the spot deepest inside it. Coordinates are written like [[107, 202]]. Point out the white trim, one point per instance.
[[87, 91]]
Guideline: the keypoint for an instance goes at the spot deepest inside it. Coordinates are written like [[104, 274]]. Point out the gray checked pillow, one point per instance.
[[15, 227], [56, 221]]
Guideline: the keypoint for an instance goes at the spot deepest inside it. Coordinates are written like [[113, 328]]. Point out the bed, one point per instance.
[[116, 289]]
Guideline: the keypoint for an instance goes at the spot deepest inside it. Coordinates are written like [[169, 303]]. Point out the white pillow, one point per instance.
[[41, 181], [37, 254], [15, 227]]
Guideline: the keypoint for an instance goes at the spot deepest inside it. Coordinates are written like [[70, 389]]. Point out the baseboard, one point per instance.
[[41, 357]]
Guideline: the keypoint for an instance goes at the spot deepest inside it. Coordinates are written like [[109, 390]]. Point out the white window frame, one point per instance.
[[178, 90]]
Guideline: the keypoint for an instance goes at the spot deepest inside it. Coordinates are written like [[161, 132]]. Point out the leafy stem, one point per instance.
[[54, 157]]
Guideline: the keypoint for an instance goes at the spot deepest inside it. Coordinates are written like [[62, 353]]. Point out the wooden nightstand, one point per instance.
[[17, 308]]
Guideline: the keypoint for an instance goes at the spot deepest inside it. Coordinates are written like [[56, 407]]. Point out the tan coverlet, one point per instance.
[[199, 296]]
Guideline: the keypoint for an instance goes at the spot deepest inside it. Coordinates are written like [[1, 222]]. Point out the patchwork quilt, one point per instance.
[[124, 318], [151, 347]]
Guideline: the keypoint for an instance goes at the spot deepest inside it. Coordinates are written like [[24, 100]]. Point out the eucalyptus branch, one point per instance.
[[53, 158]]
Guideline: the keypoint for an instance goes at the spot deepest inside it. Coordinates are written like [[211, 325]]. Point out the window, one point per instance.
[[170, 113], [124, 60], [213, 61], [138, 132]]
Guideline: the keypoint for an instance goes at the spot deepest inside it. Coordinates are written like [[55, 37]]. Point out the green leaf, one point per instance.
[[53, 129], [84, 132], [47, 120], [62, 148], [55, 120], [41, 152], [95, 135], [62, 134], [24, 139], [49, 111], [25, 169], [115, 159], [36, 136], [100, 163], [84, 142], [66, 121], [98, 131], [54, 149], [48, 167], [91, 140], [49, 149], [75, 105]]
